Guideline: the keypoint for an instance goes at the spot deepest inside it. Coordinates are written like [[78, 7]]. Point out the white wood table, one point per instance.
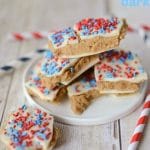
[[45, 15]]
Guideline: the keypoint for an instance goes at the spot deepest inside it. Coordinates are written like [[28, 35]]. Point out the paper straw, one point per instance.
[[16, 36], [141, 123], [9, 67], [142, 30], [43, 34]]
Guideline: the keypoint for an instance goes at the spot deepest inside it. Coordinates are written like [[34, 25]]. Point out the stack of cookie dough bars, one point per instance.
[[84, 62]]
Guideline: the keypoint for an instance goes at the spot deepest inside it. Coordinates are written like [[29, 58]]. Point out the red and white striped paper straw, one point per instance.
[[28, 35], [18, 36], [143, 27], [141, 123]]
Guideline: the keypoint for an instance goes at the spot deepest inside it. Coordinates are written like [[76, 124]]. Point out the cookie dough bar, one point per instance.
[[29, 128], [119, 72], [88, 37], [62, 71], [36, 89], [82, 92]]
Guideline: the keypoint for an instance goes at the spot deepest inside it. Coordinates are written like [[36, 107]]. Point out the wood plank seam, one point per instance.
[[1, 119], [10, 86], [119, 128]]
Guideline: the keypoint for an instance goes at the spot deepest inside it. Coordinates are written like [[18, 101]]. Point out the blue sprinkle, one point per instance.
[[63, 65], [48, 55], [141, 69], [41, 135], [24, 107], [111, 28], [43, 68], [122, 60], [36, 78], [15, 133], [111, 20], [129, 69], [39, 116], [57, 69], [42, 129], [82, 33], [130, 56], [53, 64], [101, 30], [15, 140], [37, 122], [24, 133], [93, 83], [83, 27], [10, 130], [19, 124], [46, 91], [109, 75]]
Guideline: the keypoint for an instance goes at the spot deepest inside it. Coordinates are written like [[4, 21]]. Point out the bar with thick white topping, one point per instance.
[[119, 71], [88, 37]]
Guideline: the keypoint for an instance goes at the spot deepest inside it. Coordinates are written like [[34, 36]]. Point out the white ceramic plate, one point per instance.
[[104, 109]]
